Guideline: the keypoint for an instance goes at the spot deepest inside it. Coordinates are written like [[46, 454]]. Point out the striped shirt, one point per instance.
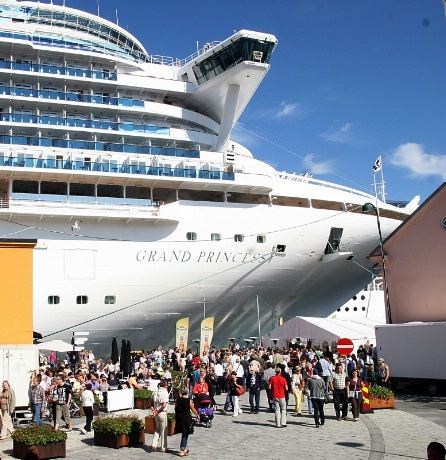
[[339, 380]]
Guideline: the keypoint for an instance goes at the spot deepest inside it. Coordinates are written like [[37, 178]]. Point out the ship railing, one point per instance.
[[4, 203], [59, 70], [165, 60], [70, 97], [307, 178], [113, 166]]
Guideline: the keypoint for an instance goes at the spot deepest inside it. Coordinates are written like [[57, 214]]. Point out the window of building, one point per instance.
[[215, 237], [191, 236], [82, 299], [53, 299], [261, 238], [238, 238], [110, 299], [281, 248]]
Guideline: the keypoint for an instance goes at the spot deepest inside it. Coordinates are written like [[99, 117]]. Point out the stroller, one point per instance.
[[203, 404]]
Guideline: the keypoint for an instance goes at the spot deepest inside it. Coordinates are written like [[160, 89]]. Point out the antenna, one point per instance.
[[97, 1], [117, 19]]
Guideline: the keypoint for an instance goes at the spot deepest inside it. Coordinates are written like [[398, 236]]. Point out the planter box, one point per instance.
[[54, 450], [115, 441], [142, 403], [170, 427], [376, 403], [149, 424]]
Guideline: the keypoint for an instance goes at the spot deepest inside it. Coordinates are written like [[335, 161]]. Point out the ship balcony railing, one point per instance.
[[88, 200], [114, 167], [70, 96], [84, 123], [97, 146], [59, 70]]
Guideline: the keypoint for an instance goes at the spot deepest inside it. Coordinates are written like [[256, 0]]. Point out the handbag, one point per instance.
[[240, 390], [190, 428], [327, 399]]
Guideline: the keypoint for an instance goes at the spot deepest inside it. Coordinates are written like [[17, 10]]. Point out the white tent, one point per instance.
[[323, 331], [55, 345]]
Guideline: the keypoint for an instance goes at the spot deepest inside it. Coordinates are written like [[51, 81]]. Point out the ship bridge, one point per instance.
[[55, 25]]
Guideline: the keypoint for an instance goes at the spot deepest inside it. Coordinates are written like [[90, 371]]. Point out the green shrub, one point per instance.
[[38, 435], [121, 424], [171, 416], [143, 394], [380, 392]]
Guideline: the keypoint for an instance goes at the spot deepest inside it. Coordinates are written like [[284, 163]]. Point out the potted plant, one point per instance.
[[143, 399], [41, 439], [381, 397], [170, 424], [118, 431]]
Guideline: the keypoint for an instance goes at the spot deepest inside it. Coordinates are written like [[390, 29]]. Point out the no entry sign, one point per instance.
[[345, 346]]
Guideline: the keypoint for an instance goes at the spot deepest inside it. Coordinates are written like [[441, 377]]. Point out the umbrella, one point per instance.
[[122, 360], [55, 345], [114, 352], [128, 350]]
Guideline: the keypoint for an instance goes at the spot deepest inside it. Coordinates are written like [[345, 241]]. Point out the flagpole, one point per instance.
[[258, 319]]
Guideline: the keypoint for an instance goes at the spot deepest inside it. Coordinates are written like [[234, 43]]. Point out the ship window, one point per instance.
[[82, 190], [114, 191], [238, 238], [110, 299], [82, 299], [354, 297], [215, 237], [281, 248], [249, 198], [326, 204], [347, 309], [355, 308], [363, 308], [53, 188], [24, 186], [362, 297], [261, 238], [191, 236], [53, 299], [138, 192], [290, 201]]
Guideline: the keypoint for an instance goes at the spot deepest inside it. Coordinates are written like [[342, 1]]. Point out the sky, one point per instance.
[[349, 80]]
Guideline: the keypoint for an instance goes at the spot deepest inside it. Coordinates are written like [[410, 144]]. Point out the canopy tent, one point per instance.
[[322, 331], [55, 345]]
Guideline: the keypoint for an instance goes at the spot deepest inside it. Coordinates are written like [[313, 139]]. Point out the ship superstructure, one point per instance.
[[121, 165]]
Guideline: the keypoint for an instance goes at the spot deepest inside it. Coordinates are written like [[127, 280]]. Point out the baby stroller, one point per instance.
[[203, 404]]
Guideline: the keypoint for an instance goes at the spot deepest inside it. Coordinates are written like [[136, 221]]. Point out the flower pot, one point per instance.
[[149, 424], [53, 450], [140, 403], [381, 403], [170, 427], [115, 441]]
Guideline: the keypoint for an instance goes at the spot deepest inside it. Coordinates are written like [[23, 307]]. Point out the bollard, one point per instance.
[[365, 404]]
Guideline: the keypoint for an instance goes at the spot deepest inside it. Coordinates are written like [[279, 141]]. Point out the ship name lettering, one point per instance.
[[152, 255]]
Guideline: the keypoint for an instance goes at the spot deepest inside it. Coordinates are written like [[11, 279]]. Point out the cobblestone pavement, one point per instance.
[[386, 434]]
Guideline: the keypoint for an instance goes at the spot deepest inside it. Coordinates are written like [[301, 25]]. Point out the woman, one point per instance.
[[160, 400], [200, 387], [183, 419], [296, 385], [7, 406], [354, 388], [87, 400], [234, 384], [37, 398]]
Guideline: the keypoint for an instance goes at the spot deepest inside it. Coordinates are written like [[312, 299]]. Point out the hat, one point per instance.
[[315, 371]]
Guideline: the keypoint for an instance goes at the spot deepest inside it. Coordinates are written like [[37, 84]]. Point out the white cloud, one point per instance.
[[414, 158], [287, 109], [314, 167], [340, 134]]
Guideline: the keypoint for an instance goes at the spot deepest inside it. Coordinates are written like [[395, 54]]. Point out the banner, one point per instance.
[[182, 334], [207, 332]]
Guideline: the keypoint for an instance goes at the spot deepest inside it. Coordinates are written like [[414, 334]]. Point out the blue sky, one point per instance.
[[349, 80]]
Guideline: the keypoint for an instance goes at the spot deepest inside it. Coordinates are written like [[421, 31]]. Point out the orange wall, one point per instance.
[[16, 294]]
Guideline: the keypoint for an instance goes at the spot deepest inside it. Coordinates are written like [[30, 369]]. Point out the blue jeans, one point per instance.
[[254, 395], [37, 408], [183, 443]]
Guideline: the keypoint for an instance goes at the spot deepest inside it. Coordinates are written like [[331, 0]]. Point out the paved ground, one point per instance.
[[386, 434]]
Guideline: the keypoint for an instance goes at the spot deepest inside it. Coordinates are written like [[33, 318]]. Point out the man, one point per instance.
[[269, 372], [279, 387], [160, 401], [63, 401], [326, 369], [383, 373], [317, 391], [253, 383], [340, 392]]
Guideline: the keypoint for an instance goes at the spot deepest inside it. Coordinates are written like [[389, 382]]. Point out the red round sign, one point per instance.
[[345, 346]]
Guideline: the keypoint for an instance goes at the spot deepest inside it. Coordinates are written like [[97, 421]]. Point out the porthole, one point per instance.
[[238, 238], [82, 299], [354, 297], [362, 297], [347, 309], [355, 308], [110, 299], [215, 237], [53, 299], [261, 238], [363, 308], [338, 309], [191, 236]]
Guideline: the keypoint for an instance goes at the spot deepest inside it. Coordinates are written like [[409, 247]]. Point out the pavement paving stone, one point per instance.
[[250, 436]]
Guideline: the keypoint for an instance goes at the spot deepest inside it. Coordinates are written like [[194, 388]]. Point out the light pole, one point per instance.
[[367, 207]]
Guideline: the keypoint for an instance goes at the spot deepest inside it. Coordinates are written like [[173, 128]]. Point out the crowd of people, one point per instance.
[[311, 377]]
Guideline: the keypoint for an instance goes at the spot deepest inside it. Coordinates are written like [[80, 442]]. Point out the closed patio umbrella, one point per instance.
[[114, 351], [122, 360], [128, 349]]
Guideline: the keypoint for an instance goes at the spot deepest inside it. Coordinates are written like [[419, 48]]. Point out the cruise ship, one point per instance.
[[120, 166]]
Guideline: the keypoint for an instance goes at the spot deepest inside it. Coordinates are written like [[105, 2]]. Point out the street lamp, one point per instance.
[[368, 207]]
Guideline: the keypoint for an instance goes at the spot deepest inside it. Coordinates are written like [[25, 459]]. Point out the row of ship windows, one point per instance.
[[81, 299], [354, 309], [238, 237]]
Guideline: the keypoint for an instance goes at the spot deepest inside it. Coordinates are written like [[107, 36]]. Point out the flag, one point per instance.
[[182, 334], [377, 165], [207, 332]]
